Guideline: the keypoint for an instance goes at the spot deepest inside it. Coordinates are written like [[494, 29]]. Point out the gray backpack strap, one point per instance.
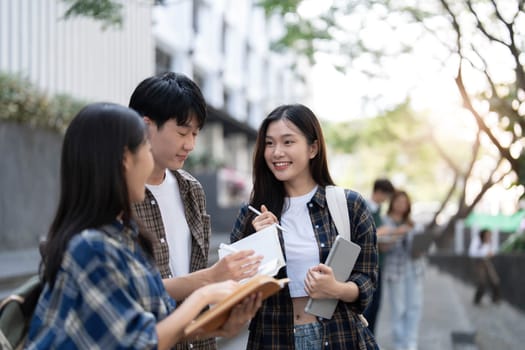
[[338, 208]]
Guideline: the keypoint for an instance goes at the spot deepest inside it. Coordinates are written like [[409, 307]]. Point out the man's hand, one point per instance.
[[237, 266]]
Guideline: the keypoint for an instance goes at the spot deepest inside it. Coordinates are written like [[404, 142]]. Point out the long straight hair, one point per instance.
[[93, 189], [267, 189]]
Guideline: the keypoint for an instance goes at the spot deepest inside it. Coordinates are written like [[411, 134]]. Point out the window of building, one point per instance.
[[163, 61], [198, 78], [223, 36], [227, 100], [197, 6]]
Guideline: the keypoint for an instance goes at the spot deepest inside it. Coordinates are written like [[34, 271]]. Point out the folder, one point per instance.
[[341, 259]]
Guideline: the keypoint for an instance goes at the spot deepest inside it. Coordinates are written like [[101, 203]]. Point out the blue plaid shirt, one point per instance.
[[272, 327], [105, 296]]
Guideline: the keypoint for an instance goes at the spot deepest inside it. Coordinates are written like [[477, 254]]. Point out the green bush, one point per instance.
[[514, 244], [22, 102]]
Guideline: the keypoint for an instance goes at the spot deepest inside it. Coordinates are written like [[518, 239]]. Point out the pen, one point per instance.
[[259, 213]]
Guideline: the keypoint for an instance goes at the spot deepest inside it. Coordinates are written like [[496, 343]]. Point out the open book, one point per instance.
[[217, 315], [266, 243]]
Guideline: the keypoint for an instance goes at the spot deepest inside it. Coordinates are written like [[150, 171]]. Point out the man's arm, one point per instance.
[[237, 266]]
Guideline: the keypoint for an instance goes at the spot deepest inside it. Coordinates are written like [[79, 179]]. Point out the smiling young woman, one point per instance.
[[290, 173]]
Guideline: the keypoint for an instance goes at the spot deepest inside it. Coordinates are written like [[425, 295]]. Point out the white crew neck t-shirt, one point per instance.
[[302, 251], [176, 227]]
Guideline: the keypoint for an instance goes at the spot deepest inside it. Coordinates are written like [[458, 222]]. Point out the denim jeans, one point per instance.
[[308, 336], [406, 302]]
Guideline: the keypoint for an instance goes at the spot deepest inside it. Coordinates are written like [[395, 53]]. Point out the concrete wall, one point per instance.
[[508, 266], [29, 184]]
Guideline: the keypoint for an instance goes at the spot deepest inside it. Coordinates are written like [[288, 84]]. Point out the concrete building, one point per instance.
[[224, 45]]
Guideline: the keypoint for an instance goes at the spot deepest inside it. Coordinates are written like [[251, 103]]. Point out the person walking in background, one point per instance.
[[101, 287], [381, 192], [482, 250], [402, 275], [174, 208], [290, 173]]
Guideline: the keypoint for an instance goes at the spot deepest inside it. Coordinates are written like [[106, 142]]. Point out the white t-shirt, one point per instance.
[[302, 251], [176, 227]]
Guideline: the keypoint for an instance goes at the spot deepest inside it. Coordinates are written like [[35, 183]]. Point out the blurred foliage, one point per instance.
[[108, 12], [515, 243], [393, 143], [21, 102], [202, 162]]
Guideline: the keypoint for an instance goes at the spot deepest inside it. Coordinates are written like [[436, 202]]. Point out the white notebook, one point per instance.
[[266, 243], [341, 259]]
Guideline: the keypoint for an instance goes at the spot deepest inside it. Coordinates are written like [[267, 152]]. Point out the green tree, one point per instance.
[[108, 12], [483, 39]]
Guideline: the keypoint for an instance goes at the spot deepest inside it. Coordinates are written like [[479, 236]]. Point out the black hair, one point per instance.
[[169, 96], [383, 185], [93, 189], [267, 189], [484, 234]]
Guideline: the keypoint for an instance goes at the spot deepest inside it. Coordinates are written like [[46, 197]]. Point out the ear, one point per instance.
[[147, 120], [314, 149], [126, 159]]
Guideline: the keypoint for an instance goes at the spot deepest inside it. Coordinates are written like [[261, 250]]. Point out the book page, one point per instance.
[[264, 242]]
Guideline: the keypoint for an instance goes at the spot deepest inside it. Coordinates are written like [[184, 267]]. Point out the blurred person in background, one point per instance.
[[482, 249], [381, 192], [402, 275]]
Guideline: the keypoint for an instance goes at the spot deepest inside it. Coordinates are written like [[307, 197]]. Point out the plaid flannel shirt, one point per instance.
[[107, 295], [194, 202], [272, 326]]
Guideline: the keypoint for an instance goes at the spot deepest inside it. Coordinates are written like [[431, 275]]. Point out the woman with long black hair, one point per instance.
[[101, 288], [290, 174]]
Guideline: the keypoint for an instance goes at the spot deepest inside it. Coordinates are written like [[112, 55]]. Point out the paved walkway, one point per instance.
[[449, 315]]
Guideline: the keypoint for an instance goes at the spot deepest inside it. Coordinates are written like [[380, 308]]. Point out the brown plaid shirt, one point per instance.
[[194, 202], [272, 326]]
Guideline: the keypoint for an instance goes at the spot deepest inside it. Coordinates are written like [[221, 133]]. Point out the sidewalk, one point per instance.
[[451, 321]]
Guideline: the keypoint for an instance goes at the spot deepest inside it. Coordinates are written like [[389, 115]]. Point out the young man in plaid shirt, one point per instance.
[[174, 209]]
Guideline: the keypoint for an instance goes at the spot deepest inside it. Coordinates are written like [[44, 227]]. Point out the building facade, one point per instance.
[[224, 45]]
